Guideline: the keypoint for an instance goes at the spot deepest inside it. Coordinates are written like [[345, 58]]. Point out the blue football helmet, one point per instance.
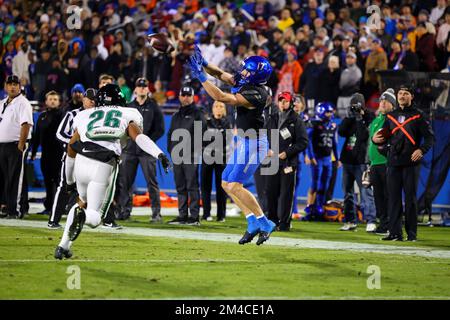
[[322, 108], [258, 68]]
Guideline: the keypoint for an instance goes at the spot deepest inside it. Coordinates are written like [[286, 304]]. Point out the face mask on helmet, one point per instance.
[[325, 111], [254, 70]]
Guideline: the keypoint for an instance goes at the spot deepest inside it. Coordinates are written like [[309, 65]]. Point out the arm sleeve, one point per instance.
[[70, 164], [148, 146]]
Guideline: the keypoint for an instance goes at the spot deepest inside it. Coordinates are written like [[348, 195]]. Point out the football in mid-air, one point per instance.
[[160, 42]]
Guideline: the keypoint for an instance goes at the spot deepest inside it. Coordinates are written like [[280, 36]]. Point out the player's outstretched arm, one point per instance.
[[212, 69], [147, 145], [213, 91]]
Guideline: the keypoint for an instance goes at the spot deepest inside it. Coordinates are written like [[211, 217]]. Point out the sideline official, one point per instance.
[[214, 161], [293, 140], [132, 155], [45, 135], [186, 172], [16, 120], [63, 134], [408, 136]]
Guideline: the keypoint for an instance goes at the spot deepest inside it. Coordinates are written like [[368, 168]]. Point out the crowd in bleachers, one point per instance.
[[41, 44]]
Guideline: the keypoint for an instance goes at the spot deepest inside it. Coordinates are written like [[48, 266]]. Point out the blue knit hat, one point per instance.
[[77, 88]]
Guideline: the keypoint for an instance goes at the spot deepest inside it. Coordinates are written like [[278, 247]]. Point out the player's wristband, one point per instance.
[[202, 77], [204, 63]]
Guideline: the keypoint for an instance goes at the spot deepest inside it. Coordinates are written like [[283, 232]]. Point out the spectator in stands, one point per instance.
[[159, 95], [42, 68], [76, 102], [385, 38], [357, 10], [276, 50], [52, 151], [329, 81], [438, 12], [56, 78], [240, 37], [94, 68], [290, 73], [21, 63], [312, 11], [376, 61], [408, 60], [286, 20], [124, 88], [349, 83], [309, 81], [444, 30], [302, 43], [406, 30], [425, 48]]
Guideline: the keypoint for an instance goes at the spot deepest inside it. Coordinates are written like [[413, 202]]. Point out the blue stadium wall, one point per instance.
[[167, 181]]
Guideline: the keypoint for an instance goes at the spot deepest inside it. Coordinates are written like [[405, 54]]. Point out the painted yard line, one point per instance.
[[302, 298], [129, 260], [274, 241]]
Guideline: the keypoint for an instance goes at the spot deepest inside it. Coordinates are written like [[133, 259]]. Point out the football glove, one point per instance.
[[165, 162]]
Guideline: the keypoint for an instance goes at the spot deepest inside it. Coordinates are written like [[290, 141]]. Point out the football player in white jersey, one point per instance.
[[93, 159]]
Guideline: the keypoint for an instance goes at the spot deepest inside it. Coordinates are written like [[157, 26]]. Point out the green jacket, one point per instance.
[[374, 156]]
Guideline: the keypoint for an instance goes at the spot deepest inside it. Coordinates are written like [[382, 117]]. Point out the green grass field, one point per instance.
[[127, 266]]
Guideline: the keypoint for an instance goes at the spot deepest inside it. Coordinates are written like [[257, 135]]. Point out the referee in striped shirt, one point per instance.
[[63, 134]]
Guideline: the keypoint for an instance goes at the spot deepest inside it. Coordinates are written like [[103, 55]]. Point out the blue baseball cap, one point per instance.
[[77, 88]]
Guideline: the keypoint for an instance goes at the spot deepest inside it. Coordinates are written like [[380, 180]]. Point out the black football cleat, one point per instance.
[[265, 235], [79, 218], [61, 253], [248, 237]]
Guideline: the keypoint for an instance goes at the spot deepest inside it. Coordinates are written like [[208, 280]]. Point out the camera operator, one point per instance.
[[355, 129], [408, 136]]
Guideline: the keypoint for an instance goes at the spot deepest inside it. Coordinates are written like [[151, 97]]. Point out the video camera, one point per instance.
[[357, 103]]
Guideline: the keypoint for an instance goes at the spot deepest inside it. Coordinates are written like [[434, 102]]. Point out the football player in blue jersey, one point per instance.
[[322, 134], [249, 96]]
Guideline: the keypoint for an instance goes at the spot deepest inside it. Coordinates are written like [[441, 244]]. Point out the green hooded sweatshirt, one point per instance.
[[374, 156]]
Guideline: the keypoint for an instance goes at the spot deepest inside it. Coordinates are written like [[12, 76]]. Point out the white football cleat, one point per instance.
[[348, 227], [371, 227]]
